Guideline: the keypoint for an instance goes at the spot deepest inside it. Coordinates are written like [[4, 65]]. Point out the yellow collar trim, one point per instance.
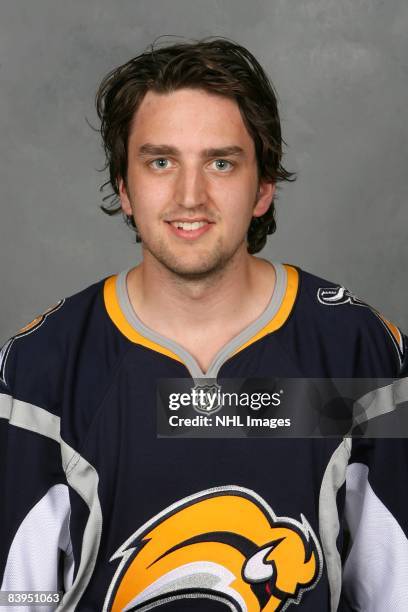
[[116, 314], [284, 311]]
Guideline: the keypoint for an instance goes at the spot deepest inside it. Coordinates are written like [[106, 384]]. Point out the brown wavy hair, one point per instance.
[[217, 65]]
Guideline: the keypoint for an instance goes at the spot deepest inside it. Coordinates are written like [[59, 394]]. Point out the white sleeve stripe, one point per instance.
[[375, 574], [32, 561], [82, 478]]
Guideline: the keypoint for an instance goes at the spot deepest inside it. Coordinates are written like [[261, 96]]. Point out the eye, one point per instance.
[[161, 163], [223, 165]]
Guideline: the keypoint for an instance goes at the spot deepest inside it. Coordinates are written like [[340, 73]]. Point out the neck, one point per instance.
[[158, 295]]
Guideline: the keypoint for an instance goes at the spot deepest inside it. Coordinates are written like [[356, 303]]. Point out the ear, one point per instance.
[[124, 197], [265, 194]]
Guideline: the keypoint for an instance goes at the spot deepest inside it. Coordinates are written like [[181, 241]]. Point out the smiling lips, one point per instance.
[[189, 229]]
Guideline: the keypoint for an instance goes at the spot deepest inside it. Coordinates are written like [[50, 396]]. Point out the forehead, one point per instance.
[[193, 117]]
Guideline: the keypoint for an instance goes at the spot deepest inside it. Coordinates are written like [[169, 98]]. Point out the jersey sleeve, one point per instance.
[[35, 550], [375, 572]]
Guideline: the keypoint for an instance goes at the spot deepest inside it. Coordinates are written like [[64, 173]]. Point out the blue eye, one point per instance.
[[160, 161], [223, 164]]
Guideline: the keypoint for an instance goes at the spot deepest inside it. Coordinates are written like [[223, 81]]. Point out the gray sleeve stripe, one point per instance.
[[30, 417], [81, 476], [381, 401], [329, 525]]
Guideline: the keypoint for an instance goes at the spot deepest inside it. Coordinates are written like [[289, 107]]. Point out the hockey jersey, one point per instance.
[[96, 505]]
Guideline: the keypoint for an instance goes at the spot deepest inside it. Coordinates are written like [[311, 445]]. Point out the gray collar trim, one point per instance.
[[227, 350]]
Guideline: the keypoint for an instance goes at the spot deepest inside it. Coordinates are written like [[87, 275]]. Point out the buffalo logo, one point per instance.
[[27, 329], [224, 544]]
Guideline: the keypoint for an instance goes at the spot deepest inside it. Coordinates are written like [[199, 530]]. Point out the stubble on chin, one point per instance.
[[204, 265]]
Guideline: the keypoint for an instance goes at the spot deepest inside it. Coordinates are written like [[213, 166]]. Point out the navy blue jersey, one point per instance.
[[96, 505]]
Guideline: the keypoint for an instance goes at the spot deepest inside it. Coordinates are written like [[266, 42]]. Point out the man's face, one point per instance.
[[192, 181]]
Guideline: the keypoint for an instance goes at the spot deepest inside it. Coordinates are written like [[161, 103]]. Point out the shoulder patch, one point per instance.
[[38, 321], [395, 335], [337, 296], [31, 327]]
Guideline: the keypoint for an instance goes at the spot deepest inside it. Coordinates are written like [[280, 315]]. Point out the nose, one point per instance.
[[191, 187]]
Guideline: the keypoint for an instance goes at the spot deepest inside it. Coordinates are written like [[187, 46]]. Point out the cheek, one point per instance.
[[239, 210], [235, 223], [149, 200]]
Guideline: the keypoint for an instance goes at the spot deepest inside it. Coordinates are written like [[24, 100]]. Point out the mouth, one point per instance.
[[189, 229]]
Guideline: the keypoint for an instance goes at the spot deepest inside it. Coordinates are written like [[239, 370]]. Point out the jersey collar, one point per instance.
[[121, 312]]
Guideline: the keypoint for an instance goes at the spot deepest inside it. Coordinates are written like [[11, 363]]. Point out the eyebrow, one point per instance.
[[163, 149]]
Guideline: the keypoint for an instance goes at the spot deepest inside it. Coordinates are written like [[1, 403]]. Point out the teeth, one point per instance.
[[189, 226]]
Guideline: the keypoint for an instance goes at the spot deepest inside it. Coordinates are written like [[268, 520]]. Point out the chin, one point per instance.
[[191, 266], [194, 272]]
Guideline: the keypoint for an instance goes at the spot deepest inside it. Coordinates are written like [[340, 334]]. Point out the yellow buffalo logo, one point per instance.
[[225, 544]]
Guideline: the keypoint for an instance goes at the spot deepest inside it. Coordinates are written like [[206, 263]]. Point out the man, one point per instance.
[[100, 507]]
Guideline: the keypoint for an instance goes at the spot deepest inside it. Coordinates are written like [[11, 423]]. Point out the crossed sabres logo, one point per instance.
[[224, 544], [336, 296]]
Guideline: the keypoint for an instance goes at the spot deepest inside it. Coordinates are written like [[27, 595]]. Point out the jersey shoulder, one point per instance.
[[350, 323], [40, 362]]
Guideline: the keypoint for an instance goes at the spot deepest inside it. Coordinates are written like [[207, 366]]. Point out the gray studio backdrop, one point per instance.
[[341, 71]]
